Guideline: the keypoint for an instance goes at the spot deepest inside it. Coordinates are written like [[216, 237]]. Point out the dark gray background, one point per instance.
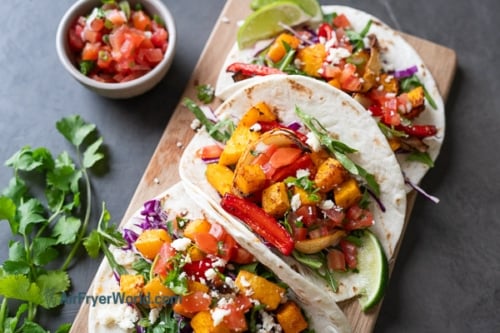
[[447, 277]]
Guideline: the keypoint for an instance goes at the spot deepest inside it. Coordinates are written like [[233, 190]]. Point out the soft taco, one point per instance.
[[182, 272], [359, 54], [308, 171]]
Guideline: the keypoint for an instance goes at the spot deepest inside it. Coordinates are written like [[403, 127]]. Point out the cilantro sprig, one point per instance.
[[339, 150], [45, 225]]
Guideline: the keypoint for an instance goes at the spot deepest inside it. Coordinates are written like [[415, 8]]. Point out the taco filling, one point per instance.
[[189, 275], [295, 187], [354, 61]]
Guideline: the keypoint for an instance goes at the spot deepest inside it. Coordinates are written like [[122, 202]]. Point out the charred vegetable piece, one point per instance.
[[264, 291], [262, 223]]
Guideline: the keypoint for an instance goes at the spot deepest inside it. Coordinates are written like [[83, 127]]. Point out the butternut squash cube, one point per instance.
[[195, 253], [195, 227], [220, 177], [290, 318], [306, 198], [197, 286], [347, 194], [258, 112], [150, 241], [203, 322], [389, 83], [157, 292], [235, 146], [330, 174], [131, 285], [312, 58], [275, 199], [277, 49], [249, 179], [258, 288], [416, 97]]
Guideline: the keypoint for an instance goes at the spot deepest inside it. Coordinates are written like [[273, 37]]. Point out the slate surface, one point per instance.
[[447, 277]]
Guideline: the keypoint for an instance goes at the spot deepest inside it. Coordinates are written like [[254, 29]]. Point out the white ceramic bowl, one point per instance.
[[116, 90]]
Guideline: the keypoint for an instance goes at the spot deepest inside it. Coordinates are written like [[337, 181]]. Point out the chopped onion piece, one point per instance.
[[405, 72]]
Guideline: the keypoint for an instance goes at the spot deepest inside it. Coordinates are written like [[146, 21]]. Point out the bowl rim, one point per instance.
[[80, 8]]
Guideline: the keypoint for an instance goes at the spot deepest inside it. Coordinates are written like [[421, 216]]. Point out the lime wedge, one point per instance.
[[373, 270], [311, 7], [265, 22]]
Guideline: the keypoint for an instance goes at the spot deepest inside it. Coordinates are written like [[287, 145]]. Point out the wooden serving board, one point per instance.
[[162, 171]]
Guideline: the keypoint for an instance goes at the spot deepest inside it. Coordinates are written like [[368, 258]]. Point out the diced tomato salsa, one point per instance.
[[116, 43]]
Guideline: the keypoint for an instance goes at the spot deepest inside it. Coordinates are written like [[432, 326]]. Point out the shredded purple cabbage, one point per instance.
[[377, 200], [421, 190], [154, 216], [130, 237], [405, 72]]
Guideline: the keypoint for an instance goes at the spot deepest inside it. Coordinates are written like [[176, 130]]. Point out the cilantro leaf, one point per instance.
[[7, 209], [43, 251], [422, 157], [19, 287], [92, 244], [51, 287], [66, 229], [30, 212], [75, 129], [91, 154]]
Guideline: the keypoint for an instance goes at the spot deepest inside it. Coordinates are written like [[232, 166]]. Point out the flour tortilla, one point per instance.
[[397, 55], [323, 313], [350, 124]]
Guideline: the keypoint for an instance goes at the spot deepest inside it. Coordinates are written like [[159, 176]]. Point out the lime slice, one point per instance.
[[265, 22], [373, 270], [311, 7]]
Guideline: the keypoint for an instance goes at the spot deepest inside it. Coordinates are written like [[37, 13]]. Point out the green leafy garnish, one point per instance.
[[220, 131], [307, 185], [411, 82], [357, 38], [205, 93], [339, 150], [47, 229], [422, 157]]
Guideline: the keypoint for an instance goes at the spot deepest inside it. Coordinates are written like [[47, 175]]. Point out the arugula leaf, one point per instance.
[[411, 82], [422, 157], [356, 38], [338, 149], [220, 132]]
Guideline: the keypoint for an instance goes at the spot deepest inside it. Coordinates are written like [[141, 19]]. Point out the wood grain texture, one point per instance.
[[162, 172]]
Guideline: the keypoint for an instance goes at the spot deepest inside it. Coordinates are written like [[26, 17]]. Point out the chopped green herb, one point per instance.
[[422, 157], [86, 66], [205, 93], [411, 82], [338, 149]]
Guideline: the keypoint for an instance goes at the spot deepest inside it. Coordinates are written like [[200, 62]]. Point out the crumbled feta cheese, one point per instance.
[[230, 283], [218, 315], [153, 315], [313, 141], [210, 274], [268, 323], [219, 262], [302, 173], [244, 282], [256, 127], [181, 244], [295, 202], [195, 124], [335, 55], [326, 204]]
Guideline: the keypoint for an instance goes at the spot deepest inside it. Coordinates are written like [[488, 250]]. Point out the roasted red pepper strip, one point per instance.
[[325, 30], [420, 131], [303, 162], [252, 69], [263, 224]]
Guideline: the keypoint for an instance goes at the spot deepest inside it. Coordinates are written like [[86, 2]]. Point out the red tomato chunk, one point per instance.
[[114, 45]]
